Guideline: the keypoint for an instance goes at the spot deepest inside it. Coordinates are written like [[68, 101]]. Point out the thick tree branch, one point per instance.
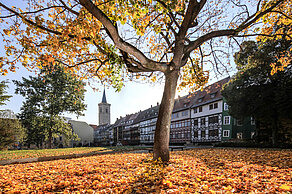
[[195, 44], [119, 42], [192, 12]]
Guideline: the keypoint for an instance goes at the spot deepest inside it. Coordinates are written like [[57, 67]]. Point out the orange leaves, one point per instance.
[[198, 170]]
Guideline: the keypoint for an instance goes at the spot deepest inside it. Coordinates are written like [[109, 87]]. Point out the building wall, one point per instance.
[[180, 127], [227, 127], [237, 128], [147, 129], [207, 124], [84, 132]]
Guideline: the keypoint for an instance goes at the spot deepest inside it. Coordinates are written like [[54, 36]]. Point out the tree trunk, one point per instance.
[[161, 138], [50, 138], [275, 131]]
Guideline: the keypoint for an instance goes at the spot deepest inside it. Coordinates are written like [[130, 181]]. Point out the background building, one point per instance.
[[104, 111]]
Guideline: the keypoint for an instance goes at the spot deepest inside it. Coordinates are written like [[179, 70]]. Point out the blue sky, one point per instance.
[[132, 98]]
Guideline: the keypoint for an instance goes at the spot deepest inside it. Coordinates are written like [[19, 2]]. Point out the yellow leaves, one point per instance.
[[153, 78], [285, 187], [7, 32]]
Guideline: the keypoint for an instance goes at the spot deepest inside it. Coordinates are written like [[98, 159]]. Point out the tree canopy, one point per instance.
[[3, 96], [254, 91], [47, 97], [119, 40]]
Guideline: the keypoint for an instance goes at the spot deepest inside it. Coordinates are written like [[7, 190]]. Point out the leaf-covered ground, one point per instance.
[[198, 170], [19, 154]]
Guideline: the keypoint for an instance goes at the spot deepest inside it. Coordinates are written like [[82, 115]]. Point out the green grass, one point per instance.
[[20, 154]]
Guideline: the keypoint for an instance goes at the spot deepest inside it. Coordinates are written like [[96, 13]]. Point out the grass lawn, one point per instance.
[[198, 170], [19, 154]]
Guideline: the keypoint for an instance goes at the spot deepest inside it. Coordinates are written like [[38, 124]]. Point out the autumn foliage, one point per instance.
[[200, 170]]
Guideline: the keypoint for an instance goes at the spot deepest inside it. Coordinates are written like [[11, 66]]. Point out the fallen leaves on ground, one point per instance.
[[198, 170]]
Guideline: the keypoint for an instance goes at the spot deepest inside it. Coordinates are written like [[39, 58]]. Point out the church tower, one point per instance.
[[104, 111]]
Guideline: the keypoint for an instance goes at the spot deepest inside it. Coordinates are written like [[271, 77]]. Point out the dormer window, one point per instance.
[[213, 95], [200, 99]]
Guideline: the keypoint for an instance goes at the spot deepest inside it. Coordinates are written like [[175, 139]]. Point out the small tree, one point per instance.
[[254, 91], [47, 96]]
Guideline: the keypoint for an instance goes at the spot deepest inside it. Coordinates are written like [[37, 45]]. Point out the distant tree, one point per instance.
[[3, 96], [47, 96], [115, 41], [254, 91], [11, 131]]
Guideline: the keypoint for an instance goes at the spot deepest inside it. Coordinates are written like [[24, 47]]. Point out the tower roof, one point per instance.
[[104, 97]]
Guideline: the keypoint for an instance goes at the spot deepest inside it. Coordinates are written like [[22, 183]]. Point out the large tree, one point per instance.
[[47, 96], [259, 92], [116, 40]]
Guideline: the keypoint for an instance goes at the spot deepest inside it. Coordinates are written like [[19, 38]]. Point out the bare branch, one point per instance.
[[30, 12], [69, 9], [289, 17]]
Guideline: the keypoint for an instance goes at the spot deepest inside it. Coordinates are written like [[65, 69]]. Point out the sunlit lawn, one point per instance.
[[198, 170], [19, 154]]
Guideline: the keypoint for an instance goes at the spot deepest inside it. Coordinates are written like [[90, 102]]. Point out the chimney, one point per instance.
[[157, 103], [151, 105]]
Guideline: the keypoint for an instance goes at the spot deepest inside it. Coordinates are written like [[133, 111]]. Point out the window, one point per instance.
[[226, 133], [252, 121], [200, 109], [252, 134], [213, 133], [225, 106], [215, 105], [226, 120], [195, 133], [195, 122], [239, 122], [106, 110], [202, 121], [195, 110], [210, 106], [203, 134], [100, 109], [213, 95], [239, 135], [185, 113], [200, 99], [175, 115], [213, 119]]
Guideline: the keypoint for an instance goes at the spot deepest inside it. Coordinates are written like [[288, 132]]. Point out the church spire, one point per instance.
[[103, 97]]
